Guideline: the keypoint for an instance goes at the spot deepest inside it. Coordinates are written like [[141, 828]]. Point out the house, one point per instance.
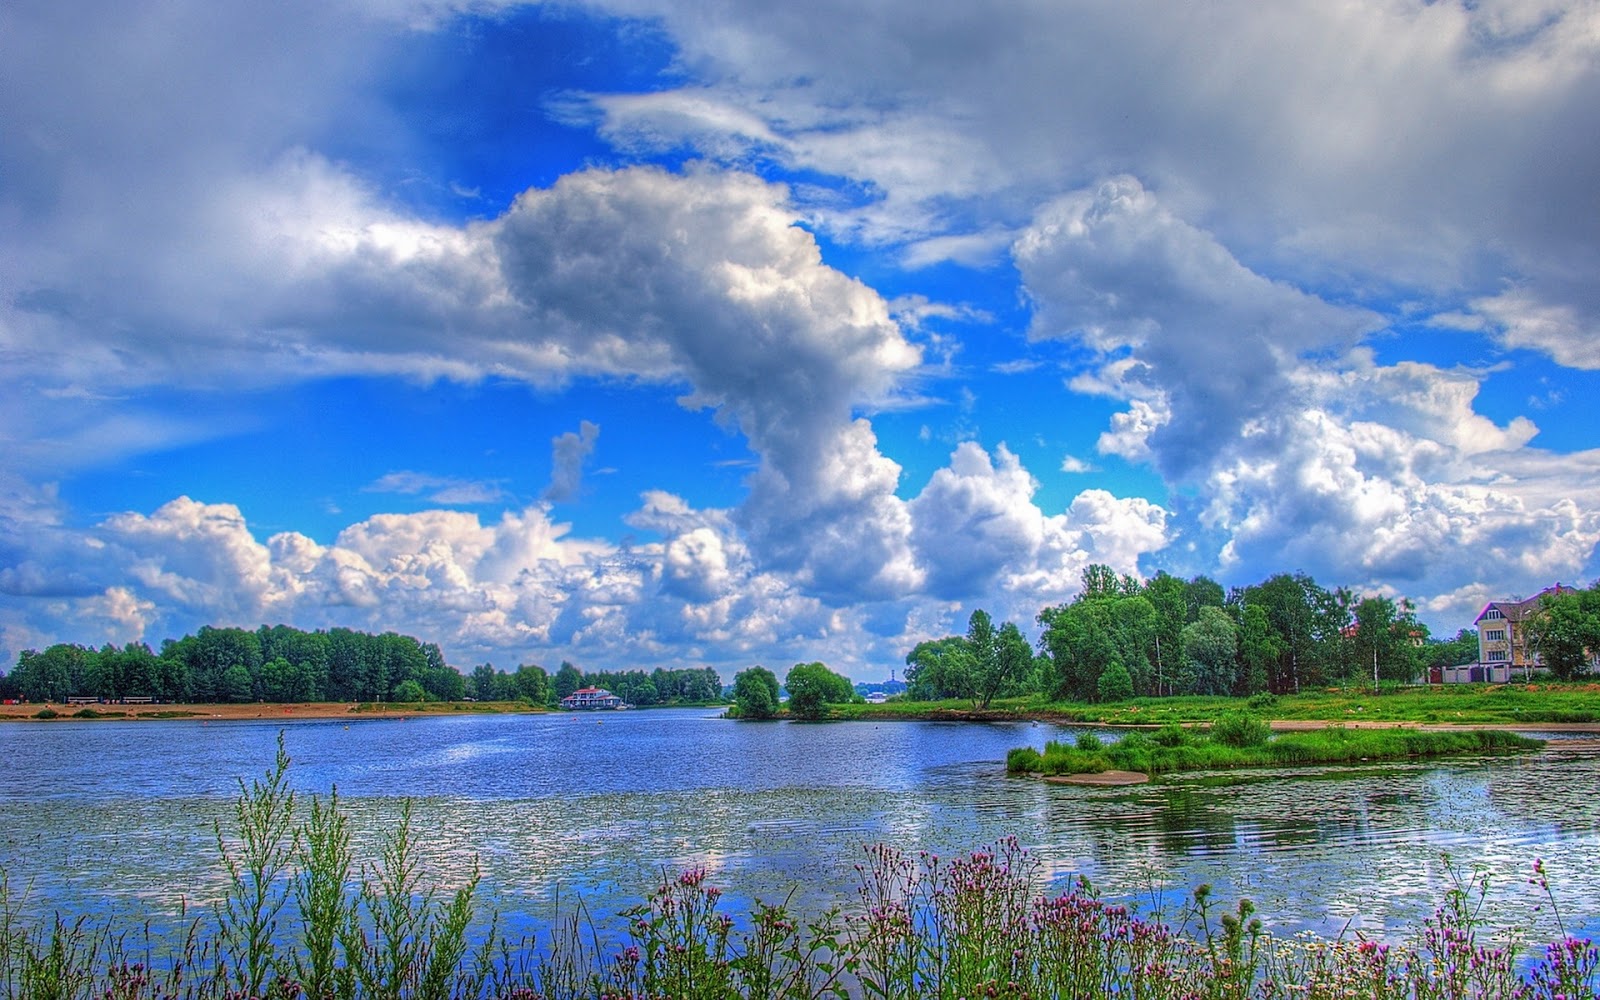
[[589, 698], [1503, 652]]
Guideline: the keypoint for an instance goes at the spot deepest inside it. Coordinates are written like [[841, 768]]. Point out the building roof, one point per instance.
[[1515, 611]]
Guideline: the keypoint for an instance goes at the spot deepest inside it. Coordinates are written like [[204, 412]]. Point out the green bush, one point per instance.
[[1024, 760], [46, 713], [1172, 736], [1263, 700], [1240, 729], [1089, 743]]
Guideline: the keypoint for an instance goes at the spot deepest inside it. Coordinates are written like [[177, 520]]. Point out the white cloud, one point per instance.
[[1113, 268], [438, 489], [978, 532], [1558, 329], [1304, 450], [568, 452]]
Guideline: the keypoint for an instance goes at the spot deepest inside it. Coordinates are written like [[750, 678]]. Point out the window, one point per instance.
[[1494, 635], [1497, 654], [1493, 613]]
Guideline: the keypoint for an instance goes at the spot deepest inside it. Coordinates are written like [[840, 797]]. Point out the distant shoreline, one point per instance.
[[251, 711], [109, 712]]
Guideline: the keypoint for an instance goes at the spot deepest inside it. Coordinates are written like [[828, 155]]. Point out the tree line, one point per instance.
[[275, 663], [280, 663], [1122, 637]]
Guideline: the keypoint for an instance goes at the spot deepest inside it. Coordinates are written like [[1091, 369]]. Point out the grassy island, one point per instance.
[[1240, 739]]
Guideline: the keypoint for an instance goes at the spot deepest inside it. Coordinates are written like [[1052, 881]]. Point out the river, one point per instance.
[[117, 818]]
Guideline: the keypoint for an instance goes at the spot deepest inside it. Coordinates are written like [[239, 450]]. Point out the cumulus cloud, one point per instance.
[[1210, 231], [1112, 267], [1304, 450], [978, 531]]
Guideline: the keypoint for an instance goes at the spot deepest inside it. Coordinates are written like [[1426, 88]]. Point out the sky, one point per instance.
[[659, 333]]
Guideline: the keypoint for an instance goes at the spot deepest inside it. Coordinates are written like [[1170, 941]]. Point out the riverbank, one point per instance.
[[257, 710], [1542, 707]]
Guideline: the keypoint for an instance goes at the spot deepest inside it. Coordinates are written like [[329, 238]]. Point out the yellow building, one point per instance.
[[1503, 653]]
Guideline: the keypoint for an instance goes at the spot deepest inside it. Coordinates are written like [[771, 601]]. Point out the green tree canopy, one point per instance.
[[1565, 631], [1115, 684], [1387, 639], [755, 693], [1210, 650], [812, 687], [939, 668]]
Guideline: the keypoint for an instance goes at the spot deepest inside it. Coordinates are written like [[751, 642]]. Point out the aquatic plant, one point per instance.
[[300, 917]]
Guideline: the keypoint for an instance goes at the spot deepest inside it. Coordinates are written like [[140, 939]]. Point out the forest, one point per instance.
[[1122, 637], [279, 663]]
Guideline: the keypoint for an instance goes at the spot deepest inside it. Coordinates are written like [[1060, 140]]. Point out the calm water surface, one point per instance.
[[118, 816]]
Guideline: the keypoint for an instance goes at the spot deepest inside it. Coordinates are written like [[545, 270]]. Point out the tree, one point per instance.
[[1565, 631], [1259, 650], [1210, 650], [1308, 623], [755, 693], [1080, 642], [1201, 592], [235, 684], [1135, 633], [1387, 637], [481, 683], [567, 680], [1456, 651], [410, 690], [1168, 597], [997, 658], [812, 687], [53, 675], [1115, 684], [939, 668], [532, 684]]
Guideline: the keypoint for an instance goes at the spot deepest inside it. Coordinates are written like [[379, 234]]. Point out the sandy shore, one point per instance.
[[1100, 778]]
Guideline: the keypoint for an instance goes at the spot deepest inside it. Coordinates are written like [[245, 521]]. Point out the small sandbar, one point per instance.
[[1100, 778]]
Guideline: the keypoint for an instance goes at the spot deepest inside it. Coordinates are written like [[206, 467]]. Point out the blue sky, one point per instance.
[[641, 334]]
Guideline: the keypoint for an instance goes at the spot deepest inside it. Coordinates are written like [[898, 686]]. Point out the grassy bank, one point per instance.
[[303, 917], [1463, 704], [1239, 739]]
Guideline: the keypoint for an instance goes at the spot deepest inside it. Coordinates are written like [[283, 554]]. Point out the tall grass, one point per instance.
[[301, 917]]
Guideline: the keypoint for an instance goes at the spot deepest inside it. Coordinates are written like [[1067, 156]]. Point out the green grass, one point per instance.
[[1465, 704], [1238, 740]]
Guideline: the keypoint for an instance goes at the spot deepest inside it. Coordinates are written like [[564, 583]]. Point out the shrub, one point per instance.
[[1089, 743], [1172, 735], [1024, 760], [1262, 700], [1240, 729], [46, 713]]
